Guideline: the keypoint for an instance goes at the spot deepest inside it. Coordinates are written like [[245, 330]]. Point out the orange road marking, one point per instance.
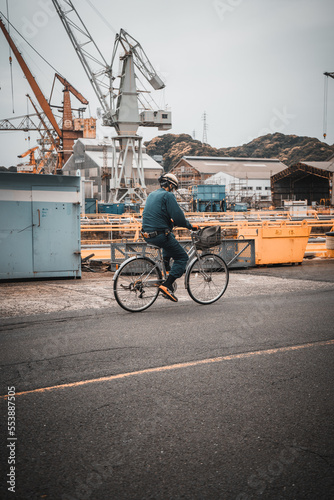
[[177, 366]]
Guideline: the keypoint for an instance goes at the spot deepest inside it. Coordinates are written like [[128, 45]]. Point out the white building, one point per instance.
[[93, 157], [245, 179]]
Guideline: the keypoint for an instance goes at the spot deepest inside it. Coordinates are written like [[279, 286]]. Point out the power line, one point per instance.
[[33, 48]]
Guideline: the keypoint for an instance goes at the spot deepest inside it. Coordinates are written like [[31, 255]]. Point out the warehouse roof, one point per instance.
[[319, 168], [242, 168], [97, 158], [323, 165], [93, 148]]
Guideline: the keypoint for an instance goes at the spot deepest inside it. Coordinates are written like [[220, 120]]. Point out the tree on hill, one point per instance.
[[172, 147], [289, 149]]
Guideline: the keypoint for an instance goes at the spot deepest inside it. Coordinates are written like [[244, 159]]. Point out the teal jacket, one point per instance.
[[161, 206]]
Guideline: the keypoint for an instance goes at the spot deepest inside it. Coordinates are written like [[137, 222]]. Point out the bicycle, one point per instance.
[[137, 280]]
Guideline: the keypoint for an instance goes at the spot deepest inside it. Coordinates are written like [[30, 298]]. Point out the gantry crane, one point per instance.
[[47, 140], [27, 124], [37, 91], [34, 167], [61, 138], [331, 75], [127, 176], [69, 134], [30, 167], [119, 109]]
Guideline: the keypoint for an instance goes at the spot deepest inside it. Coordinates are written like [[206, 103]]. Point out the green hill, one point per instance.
[[290, 149]]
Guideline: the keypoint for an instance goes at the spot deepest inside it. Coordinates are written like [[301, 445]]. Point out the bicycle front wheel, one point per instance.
[[207, 278], [136, 284]]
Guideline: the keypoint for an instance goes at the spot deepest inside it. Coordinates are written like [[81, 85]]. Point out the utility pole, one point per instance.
[[205, 136]]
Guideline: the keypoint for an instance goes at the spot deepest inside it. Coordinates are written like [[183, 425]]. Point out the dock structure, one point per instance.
[[278, 238]]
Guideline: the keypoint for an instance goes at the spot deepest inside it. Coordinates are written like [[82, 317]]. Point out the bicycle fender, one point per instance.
[[186, 276]]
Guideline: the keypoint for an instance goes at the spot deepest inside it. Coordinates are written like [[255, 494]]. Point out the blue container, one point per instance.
[[209, 192], [209, 206], [111, 208], [239, 207]]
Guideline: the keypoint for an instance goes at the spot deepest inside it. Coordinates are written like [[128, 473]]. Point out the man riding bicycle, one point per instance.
[[161, 214]]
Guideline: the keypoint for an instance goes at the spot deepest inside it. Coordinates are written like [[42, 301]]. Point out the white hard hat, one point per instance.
[[169, 179]]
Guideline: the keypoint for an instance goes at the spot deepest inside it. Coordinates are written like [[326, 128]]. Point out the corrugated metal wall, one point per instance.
[[39, 226]]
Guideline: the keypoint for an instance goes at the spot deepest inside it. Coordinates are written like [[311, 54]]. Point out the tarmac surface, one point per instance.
[[232, 401], [94, 290]]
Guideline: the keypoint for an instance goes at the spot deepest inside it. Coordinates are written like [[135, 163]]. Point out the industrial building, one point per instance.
[[245, 179], [40, 226], [94, 159], [311, 181]]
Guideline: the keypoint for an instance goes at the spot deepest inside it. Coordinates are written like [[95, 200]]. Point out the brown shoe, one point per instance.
[[167, 293]]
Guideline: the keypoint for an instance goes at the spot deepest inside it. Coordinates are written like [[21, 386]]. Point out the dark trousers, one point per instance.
[[171, 248]]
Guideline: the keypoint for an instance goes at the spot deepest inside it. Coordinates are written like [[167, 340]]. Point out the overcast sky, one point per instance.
[[253, 66]]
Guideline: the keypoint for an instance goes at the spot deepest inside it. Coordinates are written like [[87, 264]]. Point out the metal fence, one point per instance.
[[236, 253]]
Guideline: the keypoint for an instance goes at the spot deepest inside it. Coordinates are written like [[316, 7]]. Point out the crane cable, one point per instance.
[[10, 61], [33, 48], [325, 106], [28, 115]]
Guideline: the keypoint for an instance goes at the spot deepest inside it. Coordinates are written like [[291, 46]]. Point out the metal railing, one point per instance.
[[236, 253]]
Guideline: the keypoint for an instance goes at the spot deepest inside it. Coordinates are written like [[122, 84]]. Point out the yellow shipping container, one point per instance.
[[277, 243]]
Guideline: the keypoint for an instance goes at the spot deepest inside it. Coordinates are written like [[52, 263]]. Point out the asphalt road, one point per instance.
[[228, 401]]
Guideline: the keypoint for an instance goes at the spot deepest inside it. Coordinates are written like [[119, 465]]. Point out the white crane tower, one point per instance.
[[122, 108]]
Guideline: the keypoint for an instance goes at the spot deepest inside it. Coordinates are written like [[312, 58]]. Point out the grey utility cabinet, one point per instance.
[[39, 226]]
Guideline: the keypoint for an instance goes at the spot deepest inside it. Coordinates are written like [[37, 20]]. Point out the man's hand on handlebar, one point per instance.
[[194, 227]]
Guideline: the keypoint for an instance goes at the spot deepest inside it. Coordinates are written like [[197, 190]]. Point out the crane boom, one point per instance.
[[29, 152], [30, 167], [85, 56], [50, 136], [25, 124], [70, 87], [32, 82], [140, 59]]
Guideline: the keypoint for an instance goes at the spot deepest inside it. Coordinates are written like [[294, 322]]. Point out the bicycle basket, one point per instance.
[[208, 237]]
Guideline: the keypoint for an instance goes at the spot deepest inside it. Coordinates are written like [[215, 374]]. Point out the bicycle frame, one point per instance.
[[192, 254]]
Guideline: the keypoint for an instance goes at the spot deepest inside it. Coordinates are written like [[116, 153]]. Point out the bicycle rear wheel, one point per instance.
[[207, 278], [135, 284]]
